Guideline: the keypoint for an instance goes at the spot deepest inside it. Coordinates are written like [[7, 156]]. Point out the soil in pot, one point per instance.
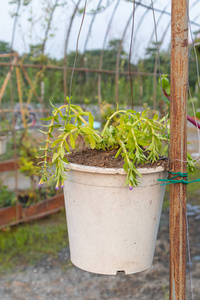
[[106, 159]]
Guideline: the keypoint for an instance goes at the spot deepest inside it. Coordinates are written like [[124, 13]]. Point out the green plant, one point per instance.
[[137, 138], [166, 90], [28, 167], [150, 112], [27, 159], [4, 127], [106, 110], [7, 198]]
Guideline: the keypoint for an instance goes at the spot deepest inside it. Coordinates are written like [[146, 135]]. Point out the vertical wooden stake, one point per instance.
[[178, 147]]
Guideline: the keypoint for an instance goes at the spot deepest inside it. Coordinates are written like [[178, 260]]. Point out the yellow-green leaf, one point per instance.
[[55, 156], [72, 141], [91, 120]]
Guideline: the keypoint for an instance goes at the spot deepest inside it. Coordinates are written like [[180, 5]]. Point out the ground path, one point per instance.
[[57, 279]]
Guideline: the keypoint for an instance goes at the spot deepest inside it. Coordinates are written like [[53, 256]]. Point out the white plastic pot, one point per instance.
[[111, 228], [3, 141]]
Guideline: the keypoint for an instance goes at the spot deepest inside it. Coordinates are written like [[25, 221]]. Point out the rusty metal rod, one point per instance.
[[76, 69], [178, 147], [9, 54], [2, 110]]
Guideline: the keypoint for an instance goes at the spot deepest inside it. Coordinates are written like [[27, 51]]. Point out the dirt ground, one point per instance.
[[58, 279]]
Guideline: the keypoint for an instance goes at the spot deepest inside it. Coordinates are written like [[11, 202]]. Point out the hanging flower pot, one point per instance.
[[110, 227]]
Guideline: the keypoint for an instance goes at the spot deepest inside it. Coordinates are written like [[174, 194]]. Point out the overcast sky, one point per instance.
[[144, 26]]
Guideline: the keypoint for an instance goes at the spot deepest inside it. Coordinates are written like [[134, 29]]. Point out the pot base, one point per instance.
[[103, 271]]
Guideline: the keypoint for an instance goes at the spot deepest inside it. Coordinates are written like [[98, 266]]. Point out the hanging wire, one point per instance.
[[140, 23], [102, 51], [130, 52], [90, 26], [118, 56], [158, 21], [118, 60], [66, 46], [159, 68], [76, 54]]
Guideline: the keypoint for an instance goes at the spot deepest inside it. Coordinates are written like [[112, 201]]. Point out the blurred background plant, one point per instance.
[[7, 197]]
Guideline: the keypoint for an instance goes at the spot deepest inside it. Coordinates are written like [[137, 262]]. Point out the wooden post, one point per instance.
[[3, 88], [178, 146]]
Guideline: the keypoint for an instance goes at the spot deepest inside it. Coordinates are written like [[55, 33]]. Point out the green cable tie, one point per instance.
[[173, 179]]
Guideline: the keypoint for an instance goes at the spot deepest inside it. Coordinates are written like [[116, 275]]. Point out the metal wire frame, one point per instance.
[[138, 3], [160, 11], [168, 25]]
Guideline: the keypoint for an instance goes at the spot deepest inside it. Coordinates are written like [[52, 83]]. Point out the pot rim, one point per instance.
[[101, 170]]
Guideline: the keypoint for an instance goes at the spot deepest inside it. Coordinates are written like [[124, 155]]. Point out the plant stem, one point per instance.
[[65, 136], [81, 118], [189, 118], [134, 137], [124, 150], [48, 138], [108, 121]]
